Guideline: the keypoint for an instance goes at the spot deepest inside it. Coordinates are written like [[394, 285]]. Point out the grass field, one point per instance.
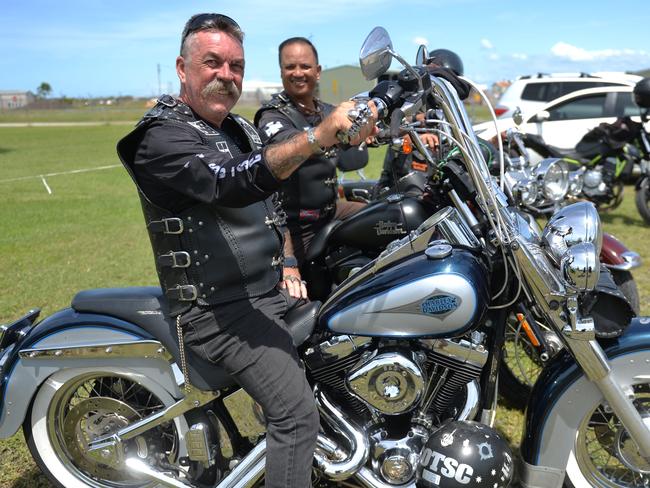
[[89, 233]]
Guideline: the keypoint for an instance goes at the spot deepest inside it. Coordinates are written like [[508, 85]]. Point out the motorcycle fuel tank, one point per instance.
[[418, 297], [380, 223]]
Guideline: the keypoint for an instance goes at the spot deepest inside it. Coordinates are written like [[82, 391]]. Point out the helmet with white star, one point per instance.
[[467, 454]]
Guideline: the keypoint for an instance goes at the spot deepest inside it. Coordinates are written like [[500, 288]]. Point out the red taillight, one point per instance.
[[499, 111]]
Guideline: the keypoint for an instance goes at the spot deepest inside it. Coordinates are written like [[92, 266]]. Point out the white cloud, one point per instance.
[[487, 44], [520, 56], [575, 53], [493, 56], [420, 40]]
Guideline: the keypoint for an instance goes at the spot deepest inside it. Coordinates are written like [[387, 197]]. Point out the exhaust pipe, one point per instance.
[[245, 475], [344, 464], [335, 462]]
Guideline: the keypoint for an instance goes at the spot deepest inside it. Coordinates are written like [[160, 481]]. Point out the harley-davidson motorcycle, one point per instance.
[[403, 356], [536, 189]]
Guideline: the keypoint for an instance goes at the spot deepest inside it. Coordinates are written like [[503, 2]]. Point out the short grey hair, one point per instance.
[[209, 22]]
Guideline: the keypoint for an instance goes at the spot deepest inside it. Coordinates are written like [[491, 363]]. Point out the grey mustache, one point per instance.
[[220, 87]]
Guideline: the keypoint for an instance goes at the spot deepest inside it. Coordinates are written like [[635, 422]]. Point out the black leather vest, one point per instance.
[[208, 254], [310, 192]]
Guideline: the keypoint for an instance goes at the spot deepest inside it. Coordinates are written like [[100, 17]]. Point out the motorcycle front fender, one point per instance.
[[561, 395], [69, 339], [616, 255], [642, 183]]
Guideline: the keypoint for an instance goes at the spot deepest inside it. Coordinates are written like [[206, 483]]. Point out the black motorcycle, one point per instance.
[[604, 159]]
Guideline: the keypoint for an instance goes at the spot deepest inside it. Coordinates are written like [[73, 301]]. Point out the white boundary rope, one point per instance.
[[42, 177]]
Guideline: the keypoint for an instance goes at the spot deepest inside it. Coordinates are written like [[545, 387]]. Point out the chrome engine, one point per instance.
[[392, 377], [593, 184], [398, 391], [391, 382]]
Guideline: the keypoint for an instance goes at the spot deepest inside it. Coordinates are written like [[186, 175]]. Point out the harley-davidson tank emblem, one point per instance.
[[439, 304], [383, 228]]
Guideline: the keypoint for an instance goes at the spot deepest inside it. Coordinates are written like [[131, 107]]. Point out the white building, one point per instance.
[[254, 92], [15, 99]]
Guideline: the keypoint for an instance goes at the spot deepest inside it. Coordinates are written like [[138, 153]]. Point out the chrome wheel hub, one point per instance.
[[90, 419]]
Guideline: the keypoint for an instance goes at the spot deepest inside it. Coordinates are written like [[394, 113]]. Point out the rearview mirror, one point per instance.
[[542, 116], [421, 56], [375, 55]]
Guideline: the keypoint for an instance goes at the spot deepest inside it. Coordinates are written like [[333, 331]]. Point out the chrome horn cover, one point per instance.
[[580, 267], [572, 225]]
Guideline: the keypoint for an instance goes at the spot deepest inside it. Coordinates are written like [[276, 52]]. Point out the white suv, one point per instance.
[[531, 93], [564, 121]]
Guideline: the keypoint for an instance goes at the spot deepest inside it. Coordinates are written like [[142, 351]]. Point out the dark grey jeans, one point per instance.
[[249, 339]]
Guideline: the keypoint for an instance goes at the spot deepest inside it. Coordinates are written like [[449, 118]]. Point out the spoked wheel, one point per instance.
[[615, 198], [72, 409], [521, 363], [604, 454]]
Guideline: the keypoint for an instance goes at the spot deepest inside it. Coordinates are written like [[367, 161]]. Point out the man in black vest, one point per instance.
[[205, 185], [309, 196]]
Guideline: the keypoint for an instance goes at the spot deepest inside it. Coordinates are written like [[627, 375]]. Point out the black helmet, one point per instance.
[[642, 93], [446, 59], [465, 453]]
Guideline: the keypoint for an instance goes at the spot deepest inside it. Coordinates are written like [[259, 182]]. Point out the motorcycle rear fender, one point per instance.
[[557, 403], [25, 367], [616, 255]]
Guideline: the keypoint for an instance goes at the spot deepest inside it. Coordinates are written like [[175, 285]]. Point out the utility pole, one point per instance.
[[159, 87]]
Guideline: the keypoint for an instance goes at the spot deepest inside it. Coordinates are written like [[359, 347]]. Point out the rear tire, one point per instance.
[[642, 200], [74, 406]]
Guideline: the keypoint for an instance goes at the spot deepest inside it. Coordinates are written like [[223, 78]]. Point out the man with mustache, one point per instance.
[[309, 195], [206, 188]]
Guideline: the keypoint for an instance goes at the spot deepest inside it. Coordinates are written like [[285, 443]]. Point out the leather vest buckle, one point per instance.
[[183, 293], [179, 259], [277, 261], [331, 181], [167, 226]]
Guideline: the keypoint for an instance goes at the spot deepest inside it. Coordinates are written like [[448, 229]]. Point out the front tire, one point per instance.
[[75, 406], [604, 456], [642, 200]]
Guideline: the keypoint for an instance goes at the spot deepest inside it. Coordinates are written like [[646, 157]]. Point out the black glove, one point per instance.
[[462, 87]]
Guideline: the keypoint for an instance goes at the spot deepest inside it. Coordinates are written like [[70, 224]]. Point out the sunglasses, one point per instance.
[[206, 21]]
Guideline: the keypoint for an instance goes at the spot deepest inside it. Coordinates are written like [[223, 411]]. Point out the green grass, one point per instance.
[[126, 112], [89, 233]]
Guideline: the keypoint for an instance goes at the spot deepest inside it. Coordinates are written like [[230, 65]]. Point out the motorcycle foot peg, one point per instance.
[[197, 440]]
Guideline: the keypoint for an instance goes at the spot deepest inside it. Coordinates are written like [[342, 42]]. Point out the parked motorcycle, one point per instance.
[[403, 356], [604, 158]]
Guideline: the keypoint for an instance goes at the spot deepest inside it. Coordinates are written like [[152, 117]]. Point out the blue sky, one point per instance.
[[101, 47]]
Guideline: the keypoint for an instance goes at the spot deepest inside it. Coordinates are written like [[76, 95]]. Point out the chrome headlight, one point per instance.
[[576, 182], [553, 177], [580, 267], [527, 191], [571, 225]]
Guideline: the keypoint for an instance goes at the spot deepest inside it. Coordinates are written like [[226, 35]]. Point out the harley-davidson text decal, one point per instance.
[[440, 304], [384, 228]]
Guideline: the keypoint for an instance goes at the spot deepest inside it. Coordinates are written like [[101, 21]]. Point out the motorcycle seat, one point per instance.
[[147, 308], [320, 240]]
